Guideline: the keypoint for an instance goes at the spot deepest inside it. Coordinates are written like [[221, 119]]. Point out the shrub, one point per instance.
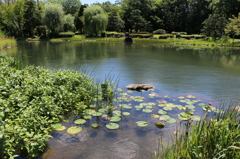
[[159, 31], [179, 33]]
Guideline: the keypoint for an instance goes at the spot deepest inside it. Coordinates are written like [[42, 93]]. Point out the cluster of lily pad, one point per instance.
[[158, 109]]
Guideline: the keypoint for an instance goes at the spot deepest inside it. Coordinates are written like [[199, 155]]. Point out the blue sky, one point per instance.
[[95, 1]]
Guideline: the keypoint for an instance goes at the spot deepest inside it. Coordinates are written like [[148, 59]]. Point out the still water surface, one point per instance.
[[210, 74]]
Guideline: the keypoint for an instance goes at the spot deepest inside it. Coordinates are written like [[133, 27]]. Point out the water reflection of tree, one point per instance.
[[65, 54]]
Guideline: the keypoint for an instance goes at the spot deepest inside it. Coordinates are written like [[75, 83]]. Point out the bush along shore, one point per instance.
[[6, 42], [175, 38], [216, 136], [33, 99]]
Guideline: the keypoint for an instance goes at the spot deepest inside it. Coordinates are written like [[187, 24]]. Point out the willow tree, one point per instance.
[[95, 20], [53, 17]]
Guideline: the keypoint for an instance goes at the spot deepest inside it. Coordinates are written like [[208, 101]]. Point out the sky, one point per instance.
[[96, 1]]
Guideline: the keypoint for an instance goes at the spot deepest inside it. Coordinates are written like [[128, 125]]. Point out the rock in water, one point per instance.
[[140, 87]]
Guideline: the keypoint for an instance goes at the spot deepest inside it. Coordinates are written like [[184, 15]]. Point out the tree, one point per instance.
[[31, 17], [71, 6], [78, 21], [53, 17], [12, 19], [115, 22], [95, 20], [214, 25], [136, 14], [68, 23], [233, 26]]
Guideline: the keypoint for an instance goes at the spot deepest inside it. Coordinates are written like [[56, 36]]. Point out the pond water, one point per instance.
[[208, 74]]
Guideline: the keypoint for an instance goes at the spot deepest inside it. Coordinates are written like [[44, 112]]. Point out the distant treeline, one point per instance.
[[25, 18]]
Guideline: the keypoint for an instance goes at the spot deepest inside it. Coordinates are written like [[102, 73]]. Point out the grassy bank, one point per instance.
[[168, 41], [6, 42], [32, 99], [216, 137]]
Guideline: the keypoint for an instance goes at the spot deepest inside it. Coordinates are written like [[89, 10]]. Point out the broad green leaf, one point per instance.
[[115, 119], [112, 126], [74, 130], [171, 120], [80, 121], [142, 123], [147, 110], [162, 112], [167, 108], [160, 125], [126, 113], [196, 118]]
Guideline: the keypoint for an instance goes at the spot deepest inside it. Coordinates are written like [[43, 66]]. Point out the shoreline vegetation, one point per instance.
[[26, 119], [215, 136], [33, 99], [7, 42], [162, 39]]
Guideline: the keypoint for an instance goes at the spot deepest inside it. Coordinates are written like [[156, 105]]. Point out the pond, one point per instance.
[[181, 75]]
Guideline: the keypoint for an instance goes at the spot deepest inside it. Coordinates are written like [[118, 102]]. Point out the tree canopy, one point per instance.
[[210, 17], [95, 20]]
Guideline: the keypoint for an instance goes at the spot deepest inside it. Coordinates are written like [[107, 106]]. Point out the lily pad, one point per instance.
[[162, 112], [142, 123], [147, 110], [151, 103], [160, 125], [149, 106], [184, 116], [87, 117], [180, 97], [202, 104], [161, 105], [155, 116], [112, 126], [191, 96], [123, 94], [74, 130], [190, 106], [167, 108], [166, 117], [95, 126], [126, 113], [80, 121], [58, 127], [171, 120], [196, 118], [170, 105], [115, 119], [97, 114], [102, 110]]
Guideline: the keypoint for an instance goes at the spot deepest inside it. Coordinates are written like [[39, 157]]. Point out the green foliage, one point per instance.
[[31, 16], [214, 25], [68, 24], [32, 99], [136, 15], [78, 21], [12, 18], [233, 26], [71, 6], [52, 17], [214, 137], [159, 31], [95, 20], [6, 41]]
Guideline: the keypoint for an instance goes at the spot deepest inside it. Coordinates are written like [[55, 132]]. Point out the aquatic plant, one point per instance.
[[216, 137], [33, 100]]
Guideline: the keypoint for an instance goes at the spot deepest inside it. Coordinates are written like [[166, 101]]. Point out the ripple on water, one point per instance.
[[125, 149]]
